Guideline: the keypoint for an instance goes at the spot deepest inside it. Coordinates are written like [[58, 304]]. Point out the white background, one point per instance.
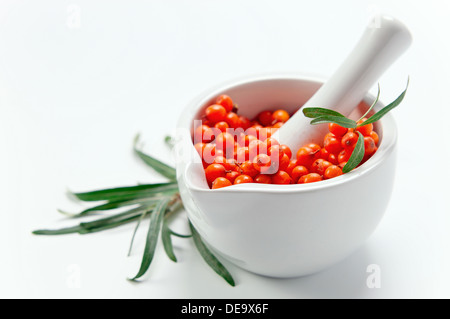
[[78, 80]]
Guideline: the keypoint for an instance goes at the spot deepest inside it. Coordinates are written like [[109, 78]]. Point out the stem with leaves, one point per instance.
[[158, 202], [323, 116]]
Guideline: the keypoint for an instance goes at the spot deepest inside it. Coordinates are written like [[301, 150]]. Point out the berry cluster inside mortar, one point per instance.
[[235, 149]]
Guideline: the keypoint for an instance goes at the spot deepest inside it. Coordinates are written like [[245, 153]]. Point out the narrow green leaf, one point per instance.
[[387, 108], [342, 121], [373, 104], [152, 237], [314, 112], [118, 204], [167, 241], [169, 141], [96, 225], [61, 231], [157, 165], [210, 259], [135, 230], [357, 155], [179, 235], [127, 192]]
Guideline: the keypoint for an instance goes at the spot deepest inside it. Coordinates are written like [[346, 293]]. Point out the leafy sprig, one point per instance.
[[324, 116], [157, 202]]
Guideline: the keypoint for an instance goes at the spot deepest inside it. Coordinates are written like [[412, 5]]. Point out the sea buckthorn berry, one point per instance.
[[231, 176], [226, 102], [280, 116], [286, 150], [199, 147], [275, 152], [305, 156], [365, 129], [222, 126], [369, 146], [209, 153], [241, 179], [315, 147], [256, 147], [247, 168], [333, 159], [225, 142], [323, 153], [262, 163], [291, 166], [337, 130], [220, 182], [284, 162], [233, 120], [213, 171], [349, 140], [375, 137], [332, 144], [298, 172], [228, 164], [263, 179], [242, 154], [244, 122], [204, 134], [265, 118], [309, 178], [332, 171], [281, 177], [344, 156], [319, 166], [277, 125], [216, 113], [271, 142]]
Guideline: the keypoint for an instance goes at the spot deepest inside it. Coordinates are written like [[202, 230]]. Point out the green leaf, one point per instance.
[[135, 230], [152, 237], [169, 141], [157, 165], [373, 104], [96, 225], [210, 259], [342, 121], [117, 204], [128, 192], [167, 241], [314, 112], [387, 108], [357, 155]]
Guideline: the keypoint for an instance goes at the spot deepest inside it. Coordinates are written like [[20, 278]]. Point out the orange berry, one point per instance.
[[309, 178], [319, 166], [298, 172], [365, 129], [241, 179], [220, 182], [226, 102], [265, 118], [281, 177], [215, 113], [375, 137], [263, 179], [337, 130], [349, 140], [280, 116], [213, 171], [332, 171]]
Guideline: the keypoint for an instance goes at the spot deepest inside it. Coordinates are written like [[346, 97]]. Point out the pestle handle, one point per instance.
[[383, 41]]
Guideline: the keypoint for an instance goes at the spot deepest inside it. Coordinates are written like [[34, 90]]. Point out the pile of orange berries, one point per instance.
[[236, 150]]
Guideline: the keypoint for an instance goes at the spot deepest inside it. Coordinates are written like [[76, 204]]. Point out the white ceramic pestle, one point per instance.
[[383, 41]]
